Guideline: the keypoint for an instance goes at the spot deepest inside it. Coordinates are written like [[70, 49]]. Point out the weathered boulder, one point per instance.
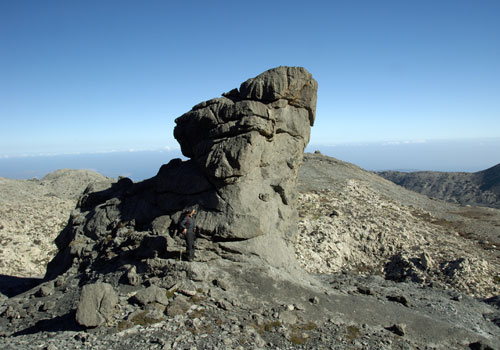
[[131, 277], [97, 304], [45, 290], [150, 295]]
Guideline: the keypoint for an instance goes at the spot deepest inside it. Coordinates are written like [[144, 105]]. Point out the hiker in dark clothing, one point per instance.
[[187, 226]]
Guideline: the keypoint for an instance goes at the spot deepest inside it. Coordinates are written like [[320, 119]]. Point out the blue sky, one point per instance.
[[95, 76]]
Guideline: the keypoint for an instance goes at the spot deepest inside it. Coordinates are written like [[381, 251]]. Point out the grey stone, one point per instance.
[[132, 277], [49, 305], [288, 317], [398, 329], [221, 284], [479, 345], [402, 268], [366, 290], [224, 304], [249, 143], [161, 224], [293, 84], [152, 294], [45, 291], [402, 299], [97, 304], [426, 261], [59, 282], [178, 306], [335, 213]]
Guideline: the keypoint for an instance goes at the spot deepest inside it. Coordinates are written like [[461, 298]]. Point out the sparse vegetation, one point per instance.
[[353, 333], [266, 326], [198, 313], [298, 338], [142, 319], [299, 333], [170, 294], [123, 325]]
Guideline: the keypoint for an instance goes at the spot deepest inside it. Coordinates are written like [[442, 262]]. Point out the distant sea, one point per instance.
[[138, 165], [458, 155]]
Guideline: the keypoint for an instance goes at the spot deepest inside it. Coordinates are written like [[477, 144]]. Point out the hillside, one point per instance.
[[32, 213], [359, 237], [481, 188], [355, 220]]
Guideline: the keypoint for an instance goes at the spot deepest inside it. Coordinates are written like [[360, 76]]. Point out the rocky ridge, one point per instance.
[[480, 188]]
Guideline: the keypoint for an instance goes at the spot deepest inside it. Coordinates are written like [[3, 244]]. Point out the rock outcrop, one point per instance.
[[245, 148], [249, 146]]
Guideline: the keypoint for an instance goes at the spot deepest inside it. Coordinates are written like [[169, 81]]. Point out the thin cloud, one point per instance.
[[56, 154], [405, 142]]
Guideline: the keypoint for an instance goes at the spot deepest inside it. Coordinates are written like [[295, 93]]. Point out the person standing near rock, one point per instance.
[[187, 226]]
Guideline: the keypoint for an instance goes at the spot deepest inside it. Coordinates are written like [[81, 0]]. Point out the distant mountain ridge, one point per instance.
[[480, 188], [490, 179]]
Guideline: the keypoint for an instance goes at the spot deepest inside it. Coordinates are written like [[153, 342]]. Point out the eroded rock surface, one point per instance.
[[245, 148], [249, 144]]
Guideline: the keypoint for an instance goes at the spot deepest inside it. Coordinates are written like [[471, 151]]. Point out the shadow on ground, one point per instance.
[[11, 285], [57, 324]]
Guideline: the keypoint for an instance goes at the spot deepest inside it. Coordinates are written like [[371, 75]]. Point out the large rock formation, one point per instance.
[[249, 145], [245, 148]]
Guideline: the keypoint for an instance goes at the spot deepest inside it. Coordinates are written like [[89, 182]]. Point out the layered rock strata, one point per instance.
[[245, 148]]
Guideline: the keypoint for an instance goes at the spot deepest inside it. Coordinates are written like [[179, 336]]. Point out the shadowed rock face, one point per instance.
[[245, 148]]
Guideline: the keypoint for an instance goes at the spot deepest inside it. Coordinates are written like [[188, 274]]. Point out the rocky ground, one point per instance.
[[361, 231], [32, 213], [388, 269]]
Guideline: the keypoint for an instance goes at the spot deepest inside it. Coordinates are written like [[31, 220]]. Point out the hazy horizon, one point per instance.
[[92, 76], [438, 155]]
